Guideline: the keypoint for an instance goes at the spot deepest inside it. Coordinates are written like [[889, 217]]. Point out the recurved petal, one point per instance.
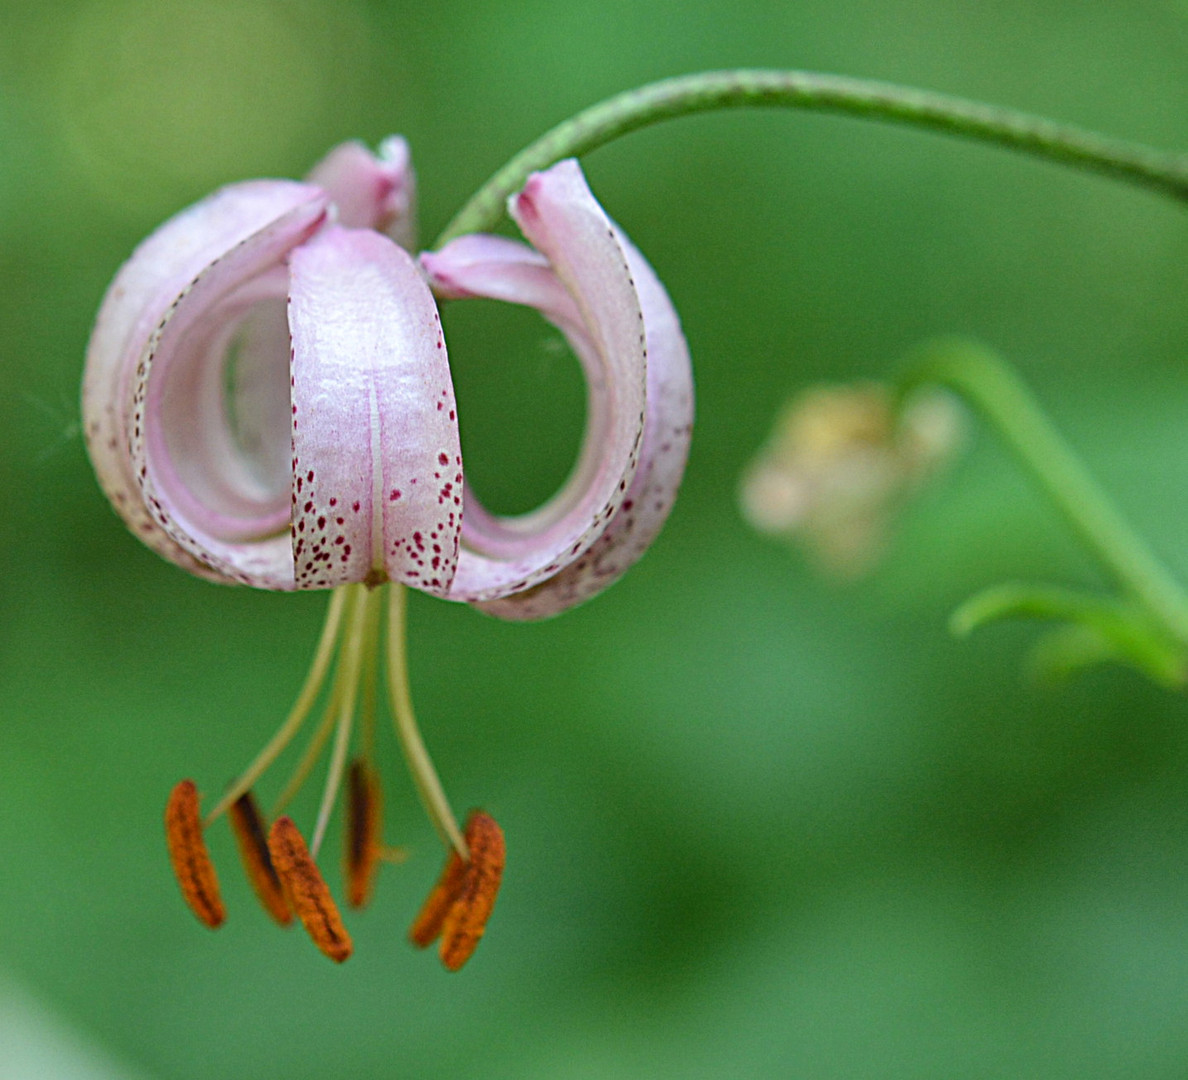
[[377, 466], [497, 268], [371, 191], [188, 262], [587, 290], [668, 427]]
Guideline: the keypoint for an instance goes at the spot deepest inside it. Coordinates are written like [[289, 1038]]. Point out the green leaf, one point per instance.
[[1098, 629]]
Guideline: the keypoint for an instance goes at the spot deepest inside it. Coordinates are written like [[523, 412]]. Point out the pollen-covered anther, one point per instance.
[[250, 836], [426, 928], [364, 816], [466, 920], [192, 867], [462, 901], [307, 890]]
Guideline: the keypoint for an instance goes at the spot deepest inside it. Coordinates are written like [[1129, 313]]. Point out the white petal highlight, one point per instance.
[[377, 490]]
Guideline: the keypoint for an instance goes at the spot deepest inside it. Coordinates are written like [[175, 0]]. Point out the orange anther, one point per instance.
[[462, 900], [192, 867], [307, 890], [248, 827], [363, 824], [467, 918], [426, 928]]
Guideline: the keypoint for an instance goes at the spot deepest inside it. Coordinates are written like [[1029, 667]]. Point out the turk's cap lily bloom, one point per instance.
[[268, 399], [840, 462]]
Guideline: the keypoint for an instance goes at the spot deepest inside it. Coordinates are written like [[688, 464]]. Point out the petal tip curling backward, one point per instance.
[[152, 395], [590, 281], [371, 191]]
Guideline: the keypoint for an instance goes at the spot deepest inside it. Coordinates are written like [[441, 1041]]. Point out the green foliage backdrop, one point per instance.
[[758, 824]]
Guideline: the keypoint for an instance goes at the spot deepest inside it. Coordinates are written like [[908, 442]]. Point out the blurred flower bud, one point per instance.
[[840, 463]]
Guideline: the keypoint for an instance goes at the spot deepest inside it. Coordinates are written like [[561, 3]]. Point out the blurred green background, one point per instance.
[[759, 824]]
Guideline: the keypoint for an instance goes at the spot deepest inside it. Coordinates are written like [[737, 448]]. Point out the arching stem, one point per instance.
[[745, 88], [327, 644]]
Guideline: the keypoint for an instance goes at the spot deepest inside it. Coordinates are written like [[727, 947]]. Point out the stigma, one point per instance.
[[281, 867]]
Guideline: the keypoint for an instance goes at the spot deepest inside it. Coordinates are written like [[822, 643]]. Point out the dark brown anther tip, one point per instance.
[[188, 853], [363, 849], [307, 890], [252, 840]]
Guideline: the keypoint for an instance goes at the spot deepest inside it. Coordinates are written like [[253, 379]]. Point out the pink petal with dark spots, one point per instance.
[[585, 537], [374, 457], [668, 428], [579, 278], [159, 452]]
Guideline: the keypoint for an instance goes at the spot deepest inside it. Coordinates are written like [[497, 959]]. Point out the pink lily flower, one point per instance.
[[267, 401], [334, 456]]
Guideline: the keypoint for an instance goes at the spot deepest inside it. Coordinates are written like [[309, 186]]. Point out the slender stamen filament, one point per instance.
[[368, 703], [424, 775], [322, 733], [301, 707], [352, 665], [310, 757], [281, 869]]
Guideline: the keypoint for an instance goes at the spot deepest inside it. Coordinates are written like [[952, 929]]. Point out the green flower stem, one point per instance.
[[992, 388], [601, 123]]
